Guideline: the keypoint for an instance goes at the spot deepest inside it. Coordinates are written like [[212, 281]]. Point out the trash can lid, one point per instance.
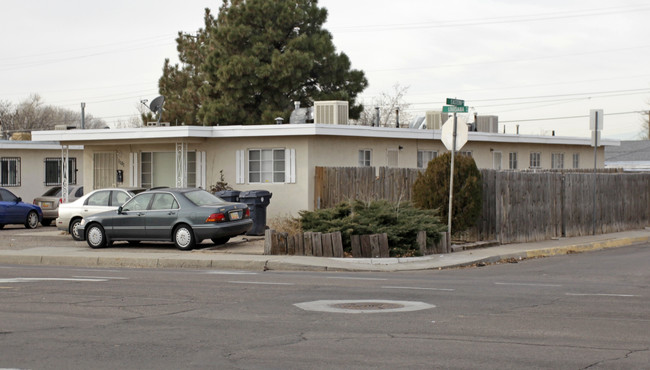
[[255, 194], [227, 192]]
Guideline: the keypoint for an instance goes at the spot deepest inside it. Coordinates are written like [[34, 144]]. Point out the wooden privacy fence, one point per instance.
[[337, 184], [518, 206], [537, 206]]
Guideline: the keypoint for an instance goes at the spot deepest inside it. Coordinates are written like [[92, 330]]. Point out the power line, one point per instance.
[[503, 61], [122, 44], [495, 20], [153, 83], [108, 99], [63, 59], [569, 117]]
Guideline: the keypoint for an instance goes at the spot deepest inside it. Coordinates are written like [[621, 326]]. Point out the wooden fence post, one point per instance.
[[366, 250], [421, 239], [356, 246], [269, 235], [337, 244], [326, 242], [307, 237], [279, 246], [374, 246], [317, 244], [384, 251], [300, 244]]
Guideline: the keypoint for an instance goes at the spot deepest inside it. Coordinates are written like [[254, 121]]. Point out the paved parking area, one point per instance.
[[17, 237]]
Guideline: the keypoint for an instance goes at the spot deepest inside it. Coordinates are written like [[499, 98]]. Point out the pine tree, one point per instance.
[[249, 64]]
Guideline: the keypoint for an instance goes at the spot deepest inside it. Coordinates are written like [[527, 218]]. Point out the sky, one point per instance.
[[541, 65]]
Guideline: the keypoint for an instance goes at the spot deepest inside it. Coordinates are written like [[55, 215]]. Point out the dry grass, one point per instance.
[[286, 224]]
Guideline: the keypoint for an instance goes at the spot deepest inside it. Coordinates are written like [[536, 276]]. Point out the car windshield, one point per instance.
[[203, 198], [53, 192]]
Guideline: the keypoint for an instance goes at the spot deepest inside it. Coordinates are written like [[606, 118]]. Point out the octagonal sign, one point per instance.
[[447, 134]]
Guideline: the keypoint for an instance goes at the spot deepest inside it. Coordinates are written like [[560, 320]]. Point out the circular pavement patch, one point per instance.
[[363, 306]]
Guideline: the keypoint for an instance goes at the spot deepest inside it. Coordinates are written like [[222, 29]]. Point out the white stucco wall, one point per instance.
[[32, 166]]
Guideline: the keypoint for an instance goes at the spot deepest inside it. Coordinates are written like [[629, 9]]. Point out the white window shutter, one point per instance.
[[290, 166], [201, 170], [239, 167], [133, 169]]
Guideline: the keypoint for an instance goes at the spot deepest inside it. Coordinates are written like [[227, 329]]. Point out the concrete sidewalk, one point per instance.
[[46, 246]]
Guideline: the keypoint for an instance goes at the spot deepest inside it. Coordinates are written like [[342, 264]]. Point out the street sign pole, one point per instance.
[[451, 184], [454, 106], [596, 124], [595, 133]]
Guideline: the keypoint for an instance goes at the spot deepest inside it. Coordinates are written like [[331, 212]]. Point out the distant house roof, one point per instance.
[[630, 155]]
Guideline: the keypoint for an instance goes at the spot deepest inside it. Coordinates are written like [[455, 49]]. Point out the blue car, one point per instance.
[[14, 211]]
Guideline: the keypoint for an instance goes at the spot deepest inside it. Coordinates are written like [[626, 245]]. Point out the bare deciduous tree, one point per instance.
[[388, 104], [33, 114], [645, 126]]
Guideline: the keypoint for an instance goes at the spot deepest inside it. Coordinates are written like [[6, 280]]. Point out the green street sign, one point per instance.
[[454, 109], [456, 102]]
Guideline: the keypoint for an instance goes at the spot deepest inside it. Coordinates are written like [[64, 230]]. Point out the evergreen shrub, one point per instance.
[[431, 190], [401, 222]]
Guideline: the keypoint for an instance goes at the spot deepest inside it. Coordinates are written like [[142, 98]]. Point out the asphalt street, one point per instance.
[[576, 311]]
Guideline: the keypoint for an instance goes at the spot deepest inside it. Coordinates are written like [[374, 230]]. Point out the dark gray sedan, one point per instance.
[[184, 216]]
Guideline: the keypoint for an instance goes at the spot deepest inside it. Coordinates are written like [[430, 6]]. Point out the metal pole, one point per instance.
[[83, 115], [397, 117], [64, 173], [595, 164], [451, 183]]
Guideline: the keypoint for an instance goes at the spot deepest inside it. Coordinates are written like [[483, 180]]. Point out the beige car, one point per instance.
[[101, 200], [51, 199]]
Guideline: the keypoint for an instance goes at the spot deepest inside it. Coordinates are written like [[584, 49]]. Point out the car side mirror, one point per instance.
[[119, 210], [19, 199]]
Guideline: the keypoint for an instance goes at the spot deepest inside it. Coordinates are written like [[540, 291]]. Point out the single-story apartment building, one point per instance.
[[29, 168], [631, 156], [282, 158]]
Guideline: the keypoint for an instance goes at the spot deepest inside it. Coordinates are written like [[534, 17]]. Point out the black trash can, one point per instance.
[[228, 195], [257, 201]]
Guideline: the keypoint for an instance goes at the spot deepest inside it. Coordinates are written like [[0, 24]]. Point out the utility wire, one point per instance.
[[569, 117], [496, 20]]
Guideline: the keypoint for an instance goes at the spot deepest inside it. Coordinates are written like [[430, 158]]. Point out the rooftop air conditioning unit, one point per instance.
[[64, 127], [487, 124], [332, 112], [435, 119]]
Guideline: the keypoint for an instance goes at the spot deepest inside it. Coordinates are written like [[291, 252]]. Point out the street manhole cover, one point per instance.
[[363, 306], [368, 306]]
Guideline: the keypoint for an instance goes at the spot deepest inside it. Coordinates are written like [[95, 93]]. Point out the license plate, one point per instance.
[[45, 205], [234, 215]]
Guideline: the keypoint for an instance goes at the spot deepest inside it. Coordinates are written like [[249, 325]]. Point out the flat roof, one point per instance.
[[41, 145], [180, 132]]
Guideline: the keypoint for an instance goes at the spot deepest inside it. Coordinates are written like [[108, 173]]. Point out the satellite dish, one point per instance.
[[156, 106]]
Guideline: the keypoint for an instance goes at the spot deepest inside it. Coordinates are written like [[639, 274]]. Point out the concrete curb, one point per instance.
[[80, 257], [560, 250]]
